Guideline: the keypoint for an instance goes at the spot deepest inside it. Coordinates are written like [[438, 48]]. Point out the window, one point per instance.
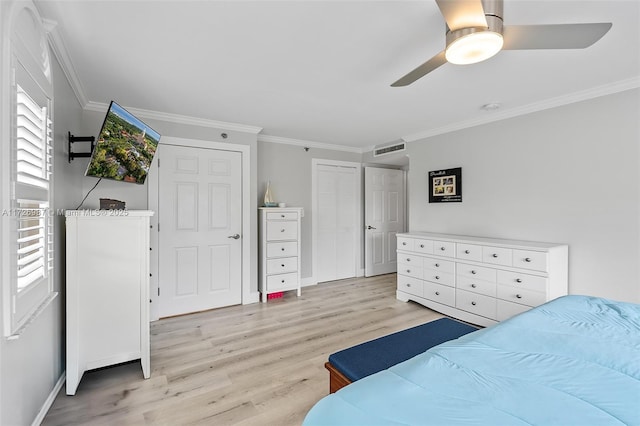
[[27, 220]]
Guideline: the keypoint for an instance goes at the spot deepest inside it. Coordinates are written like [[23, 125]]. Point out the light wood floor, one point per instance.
[[259, 364]]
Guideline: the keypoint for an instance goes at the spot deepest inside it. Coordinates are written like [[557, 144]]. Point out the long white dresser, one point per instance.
[[479, 280]]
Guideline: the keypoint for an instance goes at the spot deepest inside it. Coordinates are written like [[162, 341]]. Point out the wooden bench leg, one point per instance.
[[337, 380]]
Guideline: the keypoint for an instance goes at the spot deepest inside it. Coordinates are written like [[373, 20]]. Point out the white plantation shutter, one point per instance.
[[33, 141], [26, 166], [32, 247]]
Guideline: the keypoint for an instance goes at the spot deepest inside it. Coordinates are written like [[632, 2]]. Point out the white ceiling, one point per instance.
[[321, 71]]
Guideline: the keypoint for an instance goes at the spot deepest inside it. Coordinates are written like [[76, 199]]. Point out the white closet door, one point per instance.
[[338, 208]]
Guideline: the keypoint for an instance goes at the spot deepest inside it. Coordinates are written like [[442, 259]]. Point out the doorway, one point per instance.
[[203, 236]]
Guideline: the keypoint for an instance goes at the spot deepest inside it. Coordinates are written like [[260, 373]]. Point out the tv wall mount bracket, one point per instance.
[[74, 139]]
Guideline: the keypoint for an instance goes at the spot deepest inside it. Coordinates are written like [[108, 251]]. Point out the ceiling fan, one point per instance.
[[475, 32]]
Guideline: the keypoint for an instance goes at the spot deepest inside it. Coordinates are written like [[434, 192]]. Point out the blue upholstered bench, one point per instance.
[[368, 358]]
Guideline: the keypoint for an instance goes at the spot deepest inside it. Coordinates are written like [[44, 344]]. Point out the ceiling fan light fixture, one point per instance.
[[471, 45]]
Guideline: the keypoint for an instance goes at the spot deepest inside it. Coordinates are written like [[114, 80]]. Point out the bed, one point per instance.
[[572, 361]]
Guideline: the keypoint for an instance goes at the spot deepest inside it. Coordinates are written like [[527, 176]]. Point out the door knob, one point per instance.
[[234, 236], [370, 227]]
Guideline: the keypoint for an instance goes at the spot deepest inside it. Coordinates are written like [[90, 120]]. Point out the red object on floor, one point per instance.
[[275, 295]]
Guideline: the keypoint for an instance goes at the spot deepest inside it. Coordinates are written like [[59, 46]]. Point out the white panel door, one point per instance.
[[337, 209], [200, 219], [384, 199]]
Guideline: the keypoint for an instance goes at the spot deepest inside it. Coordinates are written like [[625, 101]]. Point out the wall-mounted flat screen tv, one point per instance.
[[125, 147]]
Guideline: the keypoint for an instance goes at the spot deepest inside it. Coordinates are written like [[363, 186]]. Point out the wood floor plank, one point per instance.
[[259, 364]]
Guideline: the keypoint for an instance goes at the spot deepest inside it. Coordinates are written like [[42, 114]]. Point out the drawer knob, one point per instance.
[[408, 271], [473, 286], [437, 265], [518, 280], [442, 248], [527, 259], [467, 252], [437, 277], [282, 249], [282, 230], [421, 245], [282, 265], [282, 215], [404, 244], [494, 255], [518, 296], [282, 281], [408, 285], [437, 293], [408, 260], [473, 303], [473, 271]]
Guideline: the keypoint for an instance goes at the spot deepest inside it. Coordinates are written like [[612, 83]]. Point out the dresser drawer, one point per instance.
[[476, 272], [506, 310], [444, 248], [410, 270], [410, 285], [521, 296], [523, 281], [285, 230], [282, 216], [469, 252], [282, 249], [406, 259], [478, 304], [423, 246], [439, 265], [284, 264], [405, 243], [533, 260], [440, 293], [475, 285], [281, 282], [497, 255], [439, 277]]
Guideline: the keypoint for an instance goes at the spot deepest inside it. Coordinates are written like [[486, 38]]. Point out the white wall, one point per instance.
[[31, 366], [568, 175]]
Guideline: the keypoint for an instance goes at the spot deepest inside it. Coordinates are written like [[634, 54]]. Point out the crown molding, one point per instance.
[[308, 144], [62, 55], [177, 118], [608, 89]]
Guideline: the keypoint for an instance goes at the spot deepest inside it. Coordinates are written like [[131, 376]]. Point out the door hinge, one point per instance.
[[158, 227], [158, 163], [158, 291]]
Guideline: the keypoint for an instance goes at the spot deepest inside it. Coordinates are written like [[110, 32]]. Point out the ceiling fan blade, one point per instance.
[[560, 36], [422, 70], [462, 13]]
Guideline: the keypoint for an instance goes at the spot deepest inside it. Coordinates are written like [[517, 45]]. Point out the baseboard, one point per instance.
[[254, 297], [49, 401], [308, 281]]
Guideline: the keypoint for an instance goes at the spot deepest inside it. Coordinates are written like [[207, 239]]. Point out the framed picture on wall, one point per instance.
[[445, 186]]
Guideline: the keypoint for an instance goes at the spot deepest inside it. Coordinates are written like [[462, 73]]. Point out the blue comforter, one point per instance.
[[572, 361]]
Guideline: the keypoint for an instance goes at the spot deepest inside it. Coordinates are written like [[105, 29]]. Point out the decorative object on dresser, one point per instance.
[[479, 280], [279, 250], [107, 290]]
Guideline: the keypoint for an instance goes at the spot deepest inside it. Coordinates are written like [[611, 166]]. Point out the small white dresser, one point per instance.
[[279, 250], [479, 280]]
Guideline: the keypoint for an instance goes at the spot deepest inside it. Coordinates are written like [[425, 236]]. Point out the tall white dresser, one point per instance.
[[479, 280], [280, 250], [107, 290]]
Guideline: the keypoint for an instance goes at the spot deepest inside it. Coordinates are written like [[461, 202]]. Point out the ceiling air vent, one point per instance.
[[389, 149]]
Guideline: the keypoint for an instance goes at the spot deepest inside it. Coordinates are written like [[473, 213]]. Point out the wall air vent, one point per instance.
[[389, 149]]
